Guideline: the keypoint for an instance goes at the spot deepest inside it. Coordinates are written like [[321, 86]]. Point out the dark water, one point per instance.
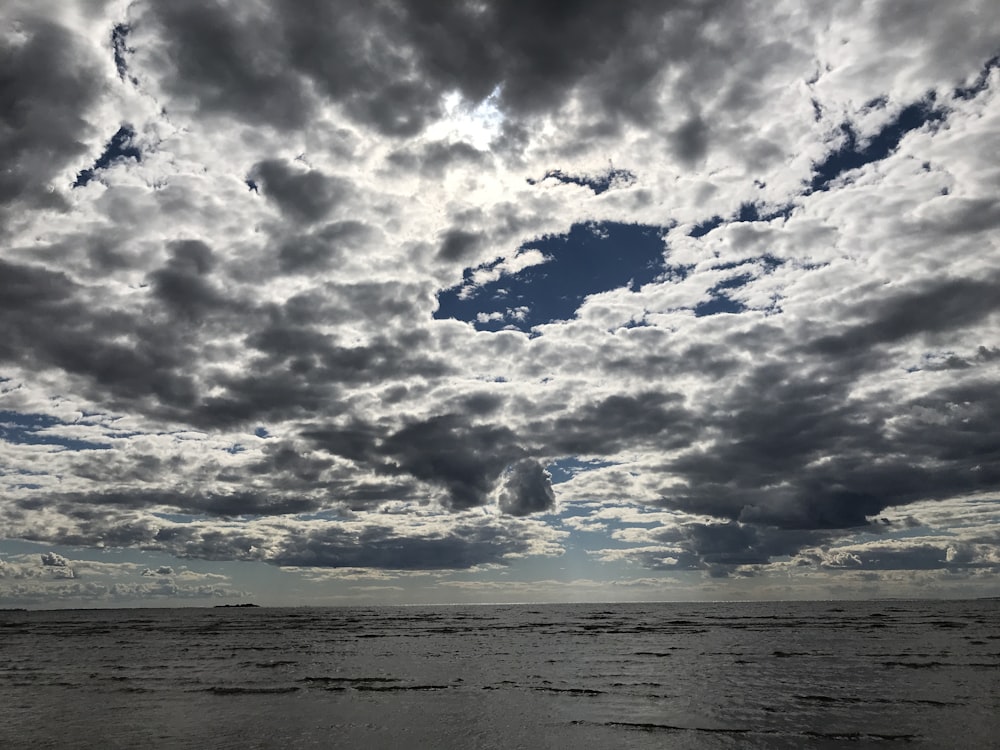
[[763, 675]]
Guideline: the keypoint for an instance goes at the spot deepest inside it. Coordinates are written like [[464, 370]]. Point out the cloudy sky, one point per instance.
[[343, 301]]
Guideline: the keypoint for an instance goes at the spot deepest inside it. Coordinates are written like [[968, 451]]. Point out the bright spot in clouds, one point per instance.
[[477, 124]]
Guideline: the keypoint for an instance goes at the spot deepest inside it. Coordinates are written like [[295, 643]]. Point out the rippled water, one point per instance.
[[735, 675]]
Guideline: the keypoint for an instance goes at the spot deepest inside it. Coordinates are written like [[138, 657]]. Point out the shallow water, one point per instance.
[[732, 675]]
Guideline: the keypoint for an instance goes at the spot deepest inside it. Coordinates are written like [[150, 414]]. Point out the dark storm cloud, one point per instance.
[[51, 559], [48, 84], [899, 555], [689, 142], [796, 454], [940, 306], [465, 459], [988, 354], [89, 509], [182, 284], [459, 245], [539, 52], [389, 64], [617, 422], [48, 323], [230, 61], [381, 547], [481, 404], [971, 439], [323, 545], [717, 547], [148, 358], [764, 464], [707, 360], [471, 460], [32, 287], [383, 303], [325, 248], [801, 454], [526, 488], [300, 372], [303, 194], [354, 441]]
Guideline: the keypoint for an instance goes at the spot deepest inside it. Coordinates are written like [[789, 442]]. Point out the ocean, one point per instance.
[[719, 675]]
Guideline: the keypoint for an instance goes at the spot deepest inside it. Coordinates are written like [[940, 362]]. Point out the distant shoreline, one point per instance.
[[225, 606]]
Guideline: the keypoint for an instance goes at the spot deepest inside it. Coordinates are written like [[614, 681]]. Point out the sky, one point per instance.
[[319, 303]]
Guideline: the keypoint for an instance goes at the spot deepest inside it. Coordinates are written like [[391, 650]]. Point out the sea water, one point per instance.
[[724, 675]]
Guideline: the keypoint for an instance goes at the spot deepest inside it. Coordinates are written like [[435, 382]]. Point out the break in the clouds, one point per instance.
[[697, 294]]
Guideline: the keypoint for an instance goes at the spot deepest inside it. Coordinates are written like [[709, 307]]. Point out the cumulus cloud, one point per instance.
[[53, 560], [163, 570], [59, 581], [376, 285], [52, 80], [526, 488]]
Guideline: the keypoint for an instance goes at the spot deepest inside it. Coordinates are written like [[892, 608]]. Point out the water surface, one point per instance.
[[726, 675]]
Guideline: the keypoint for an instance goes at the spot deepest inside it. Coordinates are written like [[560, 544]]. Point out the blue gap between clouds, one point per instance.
[[119, 148], [747, 212], [598, 183], [29, 429], [851, 155], [721, 303], [981, 83], [121, 48], [589, 259], [564, 469], [236, 448]]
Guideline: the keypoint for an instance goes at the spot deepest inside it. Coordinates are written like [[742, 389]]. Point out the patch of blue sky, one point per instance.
[[41, 429], [722, 301], [703, 228], [855, 153], [981, 83], [589, 259], [119, 46], [598, 183], [564, 469], [751, 211], [719, 304], [767, 261], [747, 212], [120, 148]]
